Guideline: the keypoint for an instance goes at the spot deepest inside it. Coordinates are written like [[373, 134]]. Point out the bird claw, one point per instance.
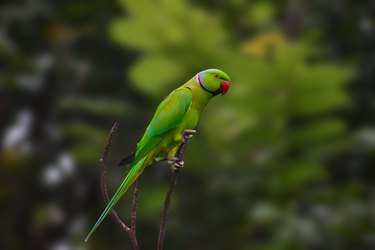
[[191, 131], [187, 134], [178, 164], [172, 159]]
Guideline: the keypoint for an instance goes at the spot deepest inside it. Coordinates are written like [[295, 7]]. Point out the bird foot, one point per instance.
[[187, 134], [172, 159], [178, 164]]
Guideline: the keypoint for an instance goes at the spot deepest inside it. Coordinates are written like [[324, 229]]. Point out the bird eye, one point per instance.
[[216, 75]]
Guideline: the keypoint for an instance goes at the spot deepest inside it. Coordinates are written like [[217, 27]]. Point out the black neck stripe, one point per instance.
[[216, 92]]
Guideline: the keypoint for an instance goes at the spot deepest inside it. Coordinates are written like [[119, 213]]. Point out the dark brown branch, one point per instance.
[[186, 135], [130, 231], [133, 217], [167, 203], [103, 183]]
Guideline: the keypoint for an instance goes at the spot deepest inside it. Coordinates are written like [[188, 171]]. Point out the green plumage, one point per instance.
[[179, 111]]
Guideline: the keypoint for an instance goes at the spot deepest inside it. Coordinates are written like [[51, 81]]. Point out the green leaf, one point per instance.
[[152, 200], [132, 33], [99, 106], [154, 75], [262, 13], [317, 132], [293, 176], [317, 102], [87, 154], [84, 132]]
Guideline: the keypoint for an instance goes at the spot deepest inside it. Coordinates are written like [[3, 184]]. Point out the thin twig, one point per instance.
[[103, 178], [133, 215], [130, 231], [167, 203], [186, 135]]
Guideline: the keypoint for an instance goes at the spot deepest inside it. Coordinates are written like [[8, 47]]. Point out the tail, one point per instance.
[[133, 174]]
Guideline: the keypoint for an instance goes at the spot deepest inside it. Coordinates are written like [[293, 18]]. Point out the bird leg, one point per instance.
[[177, 161]]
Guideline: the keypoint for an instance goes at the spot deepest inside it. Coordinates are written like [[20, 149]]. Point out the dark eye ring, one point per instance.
[[216, 75]]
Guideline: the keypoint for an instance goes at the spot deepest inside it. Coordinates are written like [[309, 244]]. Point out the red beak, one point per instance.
[[225, 86]]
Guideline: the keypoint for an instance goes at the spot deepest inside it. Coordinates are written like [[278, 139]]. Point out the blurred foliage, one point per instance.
[[175, 37], [283, 161], [97, 107]]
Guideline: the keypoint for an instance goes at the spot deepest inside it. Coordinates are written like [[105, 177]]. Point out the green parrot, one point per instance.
[[178, 112]]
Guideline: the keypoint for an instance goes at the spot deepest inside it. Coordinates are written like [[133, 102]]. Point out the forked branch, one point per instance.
[[131, 231]]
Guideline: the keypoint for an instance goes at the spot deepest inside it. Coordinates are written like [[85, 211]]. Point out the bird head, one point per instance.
[[213, 81]]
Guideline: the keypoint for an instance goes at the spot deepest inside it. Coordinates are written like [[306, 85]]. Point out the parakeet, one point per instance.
[[179, 111]]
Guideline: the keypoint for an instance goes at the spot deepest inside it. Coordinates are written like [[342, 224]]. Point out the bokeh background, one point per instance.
[[283, 161]]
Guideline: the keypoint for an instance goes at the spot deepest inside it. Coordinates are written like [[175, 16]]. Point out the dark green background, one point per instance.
[[283, 161]]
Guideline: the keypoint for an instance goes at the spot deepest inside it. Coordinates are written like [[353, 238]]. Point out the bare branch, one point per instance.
[[167, 203], [133, 215], [186, 135], [130, 231]]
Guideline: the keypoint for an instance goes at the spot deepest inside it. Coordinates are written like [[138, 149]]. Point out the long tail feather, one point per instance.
[[133, 174]]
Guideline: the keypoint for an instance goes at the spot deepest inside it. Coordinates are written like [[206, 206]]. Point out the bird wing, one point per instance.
[[168, 115]]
